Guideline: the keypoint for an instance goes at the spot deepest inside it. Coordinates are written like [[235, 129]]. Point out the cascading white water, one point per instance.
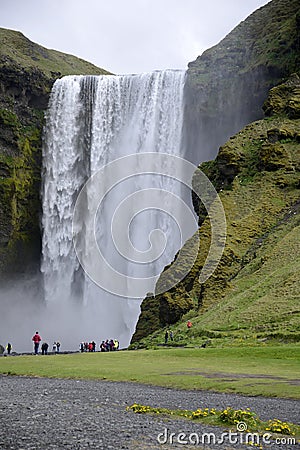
[[92, 121]]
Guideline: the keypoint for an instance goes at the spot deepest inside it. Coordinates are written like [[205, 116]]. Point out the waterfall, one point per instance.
[[91, 122]]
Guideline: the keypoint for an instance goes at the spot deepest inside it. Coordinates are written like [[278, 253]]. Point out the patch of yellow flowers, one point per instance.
[[276, 426], [203, 413], [228, 416], [142, 409], [234, 416]]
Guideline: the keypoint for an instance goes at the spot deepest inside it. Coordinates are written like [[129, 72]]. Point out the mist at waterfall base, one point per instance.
[[90, 122], [25, 312]]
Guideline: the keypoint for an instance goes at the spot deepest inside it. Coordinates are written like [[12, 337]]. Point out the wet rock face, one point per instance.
[[27, 89], [23, 98]]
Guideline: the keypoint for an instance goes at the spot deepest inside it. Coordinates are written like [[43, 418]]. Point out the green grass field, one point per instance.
[[269, 371]]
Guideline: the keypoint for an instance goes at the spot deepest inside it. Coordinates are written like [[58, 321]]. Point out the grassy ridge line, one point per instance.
[[27, 54], [270, 371]]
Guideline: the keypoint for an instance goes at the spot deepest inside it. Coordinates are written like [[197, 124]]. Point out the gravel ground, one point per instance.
[[45, 414]]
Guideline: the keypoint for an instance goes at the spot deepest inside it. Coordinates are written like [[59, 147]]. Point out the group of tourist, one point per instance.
[[109, 346], [55, 348], [87, 346], [168, 335], [36, 342], [105, 346]]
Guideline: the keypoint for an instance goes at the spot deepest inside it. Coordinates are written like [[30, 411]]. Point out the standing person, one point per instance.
[[82, 347], [166, 337], [45, 348], [36, 340], [94, 346], [54, 347], [8, 348], [171, 335], [57, 346], [102, 346]]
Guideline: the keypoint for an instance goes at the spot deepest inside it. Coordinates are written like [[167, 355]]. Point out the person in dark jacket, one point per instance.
[[166, 337], [45, 348]]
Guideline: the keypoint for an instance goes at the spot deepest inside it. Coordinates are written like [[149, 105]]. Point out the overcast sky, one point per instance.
[[127, 36]]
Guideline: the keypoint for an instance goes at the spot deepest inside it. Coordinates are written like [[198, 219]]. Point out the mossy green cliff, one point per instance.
[[27, 73], [256, 174], [227, 85], [255, 290]]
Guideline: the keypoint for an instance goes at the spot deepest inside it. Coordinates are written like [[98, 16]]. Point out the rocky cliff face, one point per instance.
[[27, 72], [255, 289], [227, 85]]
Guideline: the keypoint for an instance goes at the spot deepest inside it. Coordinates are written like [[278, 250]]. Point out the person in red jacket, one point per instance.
[[36, 340]]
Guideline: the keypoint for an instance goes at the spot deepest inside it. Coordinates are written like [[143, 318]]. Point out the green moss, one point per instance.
[[19, 197], [285, 98], [9, 118]]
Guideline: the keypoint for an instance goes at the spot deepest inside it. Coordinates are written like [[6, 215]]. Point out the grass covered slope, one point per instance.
[[17, 48], [255, 292]]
